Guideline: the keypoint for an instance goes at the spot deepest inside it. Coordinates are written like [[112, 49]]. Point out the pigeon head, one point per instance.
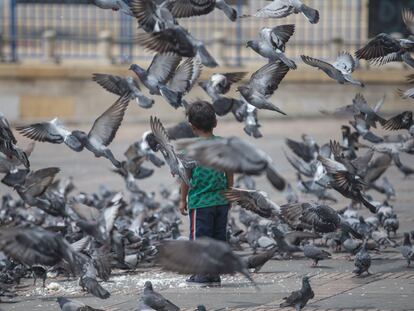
[[137, 69], [252, 44], [80, 135], [148, 286], [152, 142]]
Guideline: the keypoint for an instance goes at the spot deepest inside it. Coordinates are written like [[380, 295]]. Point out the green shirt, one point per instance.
[[207, 185]]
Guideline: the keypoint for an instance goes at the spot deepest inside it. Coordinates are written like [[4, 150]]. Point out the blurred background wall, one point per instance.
[[50, 48]]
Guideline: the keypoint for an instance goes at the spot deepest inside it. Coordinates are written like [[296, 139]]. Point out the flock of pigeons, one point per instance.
[[51, 229]]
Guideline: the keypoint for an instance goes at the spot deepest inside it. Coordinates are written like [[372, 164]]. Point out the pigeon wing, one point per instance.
[[188, 8], [44, 132], [283, 33], [266, 80], [180, 82], [345, 63], [163, 66], [113, 84]]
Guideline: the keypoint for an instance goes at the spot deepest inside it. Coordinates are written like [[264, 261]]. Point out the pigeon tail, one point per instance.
[[311, 14], [253, 130], [205, 57], [368, 204], [228, 10], [274, 178], [173, 98], [94, 288]]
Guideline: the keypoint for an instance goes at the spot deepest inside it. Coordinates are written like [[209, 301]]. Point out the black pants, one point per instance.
[[209, 222]]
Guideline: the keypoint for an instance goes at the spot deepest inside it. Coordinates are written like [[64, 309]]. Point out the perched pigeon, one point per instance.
[[407, 249], [298, 299], [262, 85], [97, 140], [120, 86], [362, 261], [154, 300], [340, 71], [72, 305], [188, 8], [209, 257], [272, 44], [315, 253], [163, 143], [283, 8]]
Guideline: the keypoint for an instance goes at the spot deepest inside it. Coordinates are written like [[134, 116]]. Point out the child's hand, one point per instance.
[[183, 208]]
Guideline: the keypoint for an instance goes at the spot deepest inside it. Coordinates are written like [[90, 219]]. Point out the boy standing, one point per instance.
[[204, 201]]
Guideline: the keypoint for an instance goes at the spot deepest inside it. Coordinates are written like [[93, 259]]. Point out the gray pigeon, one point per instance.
[[97, 140], [158, 74], [188, 8], [407, 249], [88, 281], [208, 257], [234, 155], [220, 83], [163, 144], [154, 300], [72, 305], [340, 71], [257, 261], [315, 253], [272, 44], [283, 8], [123, 87], [262, 85], [283, 247], [362, 261], [299, 298], [254, 201], [252, 125], [115, 5], [171, 37]]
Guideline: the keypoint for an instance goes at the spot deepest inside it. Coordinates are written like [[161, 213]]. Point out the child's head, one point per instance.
[[202, 117]]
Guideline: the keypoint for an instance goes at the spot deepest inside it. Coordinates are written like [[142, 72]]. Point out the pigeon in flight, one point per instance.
[[72, 305], [8, 143], [340, 71], [383, 48], [97, 140], [401, 121], [171, 37], [120, 86], [188, 8], [209, 257], [163, 144], [272, 44], [262, 85], [299, 298], [220, 83], [234, 155], [155, 301], [115, 5], [284, 8]]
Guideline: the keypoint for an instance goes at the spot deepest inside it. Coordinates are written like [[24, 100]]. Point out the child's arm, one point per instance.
[[230, 179], [183, 198]]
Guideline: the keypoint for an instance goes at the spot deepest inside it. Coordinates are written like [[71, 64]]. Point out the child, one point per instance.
[[207, 207]]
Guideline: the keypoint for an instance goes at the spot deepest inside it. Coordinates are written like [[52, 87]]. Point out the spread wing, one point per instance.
[[266, 80], [44, 132], [283, 33], [408, 18], [111, 83], [398, 122], [345, 63], [188, 8], [163, 65], [106, 126], [246, 199], [320, 64], [381, 49], [180, 82]]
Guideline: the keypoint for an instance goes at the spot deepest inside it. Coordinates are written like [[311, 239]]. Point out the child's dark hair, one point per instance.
[[202, 116]]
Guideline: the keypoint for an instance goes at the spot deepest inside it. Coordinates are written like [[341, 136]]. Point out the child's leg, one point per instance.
[[201, 222], [220, 222]]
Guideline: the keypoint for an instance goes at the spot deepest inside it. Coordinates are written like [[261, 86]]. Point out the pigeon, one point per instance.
[[307, 150], [37, 246], [72, 305], [283, 246], [234, 155], [220, 83], [315, 217], [298, 299], [262, 85], [362, 261], [188, 8], [158, 74], [97, 140], [209, 257], [170, 36], [252, 126], [383, 48], [88, 281], [39, 272], [120, 86], [401, 121], [340, 71], [8, 148], [283, 8], [407, 249], [315, 253], [154, 300], [272, 44], [254, 201], [162, 141], [257, 261], [115, 5]]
